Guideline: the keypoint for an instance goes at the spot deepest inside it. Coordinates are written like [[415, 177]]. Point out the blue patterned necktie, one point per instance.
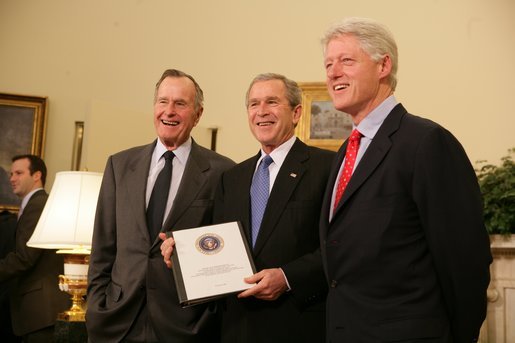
[[159, 197], [259, 192]]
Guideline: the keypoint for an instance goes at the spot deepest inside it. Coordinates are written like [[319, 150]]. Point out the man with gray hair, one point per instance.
[[169, 183], [404, 246]]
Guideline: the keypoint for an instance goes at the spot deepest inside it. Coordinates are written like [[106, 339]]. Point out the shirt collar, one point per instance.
[[27, 198], [279, 154], [181, 153], [373, 121]]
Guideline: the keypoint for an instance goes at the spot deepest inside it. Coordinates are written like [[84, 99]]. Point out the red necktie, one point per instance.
[[350, 158]]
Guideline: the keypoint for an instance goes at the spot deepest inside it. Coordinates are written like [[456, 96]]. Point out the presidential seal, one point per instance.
[[209, 243]]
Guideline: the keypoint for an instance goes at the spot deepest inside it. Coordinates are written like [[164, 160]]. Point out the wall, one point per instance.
[[98, 61]]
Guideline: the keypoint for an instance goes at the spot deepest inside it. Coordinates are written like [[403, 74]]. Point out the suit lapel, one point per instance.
[[244, 195], [136, 184], [375, 153], [289, 176], [326, 204]]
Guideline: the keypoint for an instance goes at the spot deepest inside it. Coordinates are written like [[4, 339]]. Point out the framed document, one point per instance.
[[210, 262]]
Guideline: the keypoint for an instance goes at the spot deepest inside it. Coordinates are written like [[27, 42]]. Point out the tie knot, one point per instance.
[[355, 135], [266, 161], [169, 155]]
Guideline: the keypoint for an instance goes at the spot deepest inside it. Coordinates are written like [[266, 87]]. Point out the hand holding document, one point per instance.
[[210, 262]]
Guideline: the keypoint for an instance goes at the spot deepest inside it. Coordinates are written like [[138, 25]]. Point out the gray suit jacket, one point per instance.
[[35, 297], [126, 268]]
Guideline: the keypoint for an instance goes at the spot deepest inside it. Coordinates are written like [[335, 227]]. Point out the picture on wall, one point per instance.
[[321, 124], [22, 131]]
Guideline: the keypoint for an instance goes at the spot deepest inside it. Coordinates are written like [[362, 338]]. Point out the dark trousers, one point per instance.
[[45, 335]]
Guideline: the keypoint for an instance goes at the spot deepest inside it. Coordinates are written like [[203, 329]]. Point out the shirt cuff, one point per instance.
[[286, 279]]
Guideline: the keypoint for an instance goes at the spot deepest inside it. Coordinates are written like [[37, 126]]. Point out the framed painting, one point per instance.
[[321, 124], [22, 131]]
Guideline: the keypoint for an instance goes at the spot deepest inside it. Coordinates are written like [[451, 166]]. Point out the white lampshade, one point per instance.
[[68, 217]]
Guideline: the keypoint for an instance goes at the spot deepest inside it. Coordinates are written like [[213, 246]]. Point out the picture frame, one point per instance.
[[78, 139], [23, 123], [321, 125]]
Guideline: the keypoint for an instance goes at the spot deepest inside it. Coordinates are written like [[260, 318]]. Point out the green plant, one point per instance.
[[497, 185]]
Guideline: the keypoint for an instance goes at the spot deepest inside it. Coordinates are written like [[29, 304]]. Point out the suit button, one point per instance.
[[334, 283]]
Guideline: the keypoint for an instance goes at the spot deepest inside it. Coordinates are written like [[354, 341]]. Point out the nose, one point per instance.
[[334, 71], [261, 110], [170, 109]]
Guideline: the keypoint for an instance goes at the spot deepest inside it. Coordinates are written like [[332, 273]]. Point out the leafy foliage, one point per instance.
[[497, 185]]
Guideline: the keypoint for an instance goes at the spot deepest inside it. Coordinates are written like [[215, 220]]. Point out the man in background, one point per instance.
[[403, 242], [168, 184], [35, 296], [286, 304]]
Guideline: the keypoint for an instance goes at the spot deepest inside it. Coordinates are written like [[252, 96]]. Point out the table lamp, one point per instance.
[[66, 223]]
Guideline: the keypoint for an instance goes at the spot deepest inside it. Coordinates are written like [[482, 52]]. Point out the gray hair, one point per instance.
[[375, 39], [199, 95], [293, 92]]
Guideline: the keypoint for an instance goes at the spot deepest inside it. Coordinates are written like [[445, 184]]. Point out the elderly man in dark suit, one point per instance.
[[403, 242], [35, 296], [131, 293], [286, 304]]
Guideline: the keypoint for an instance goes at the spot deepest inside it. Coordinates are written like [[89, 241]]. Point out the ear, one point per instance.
[[36, 176], [297, 113], [385, 67], [198, 114]]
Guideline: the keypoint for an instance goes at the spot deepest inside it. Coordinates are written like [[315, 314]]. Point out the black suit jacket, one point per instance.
[[288, 239], [8, 223], [406, 253], [35, 297], [126, 269]]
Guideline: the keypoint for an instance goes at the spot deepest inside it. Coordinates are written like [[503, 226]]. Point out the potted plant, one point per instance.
[[497, 185]]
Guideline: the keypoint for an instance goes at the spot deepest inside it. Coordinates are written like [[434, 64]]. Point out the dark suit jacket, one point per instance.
[[288, 238], [126, 269], [406, 253], [35, 297], [8, 222]]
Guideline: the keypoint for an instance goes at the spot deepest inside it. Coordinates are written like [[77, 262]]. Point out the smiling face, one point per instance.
[[174, 111], [356, 83], [272, 120]]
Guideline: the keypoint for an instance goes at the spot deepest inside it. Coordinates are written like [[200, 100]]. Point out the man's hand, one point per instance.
[[166, 249], [271, 283]]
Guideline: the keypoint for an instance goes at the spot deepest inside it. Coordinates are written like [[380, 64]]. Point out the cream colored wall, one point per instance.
[[97, 61]]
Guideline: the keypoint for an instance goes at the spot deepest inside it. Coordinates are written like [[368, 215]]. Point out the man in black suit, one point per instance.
[[35, 296], [286, 304], [405, 249], [131, 293]]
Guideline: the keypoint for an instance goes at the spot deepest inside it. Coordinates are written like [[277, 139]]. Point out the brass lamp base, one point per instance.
[[77, 289], [74, 282]]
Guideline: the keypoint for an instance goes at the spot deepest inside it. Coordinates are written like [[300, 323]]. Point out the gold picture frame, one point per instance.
[[321, 125], [77, 145], [23, 123]]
